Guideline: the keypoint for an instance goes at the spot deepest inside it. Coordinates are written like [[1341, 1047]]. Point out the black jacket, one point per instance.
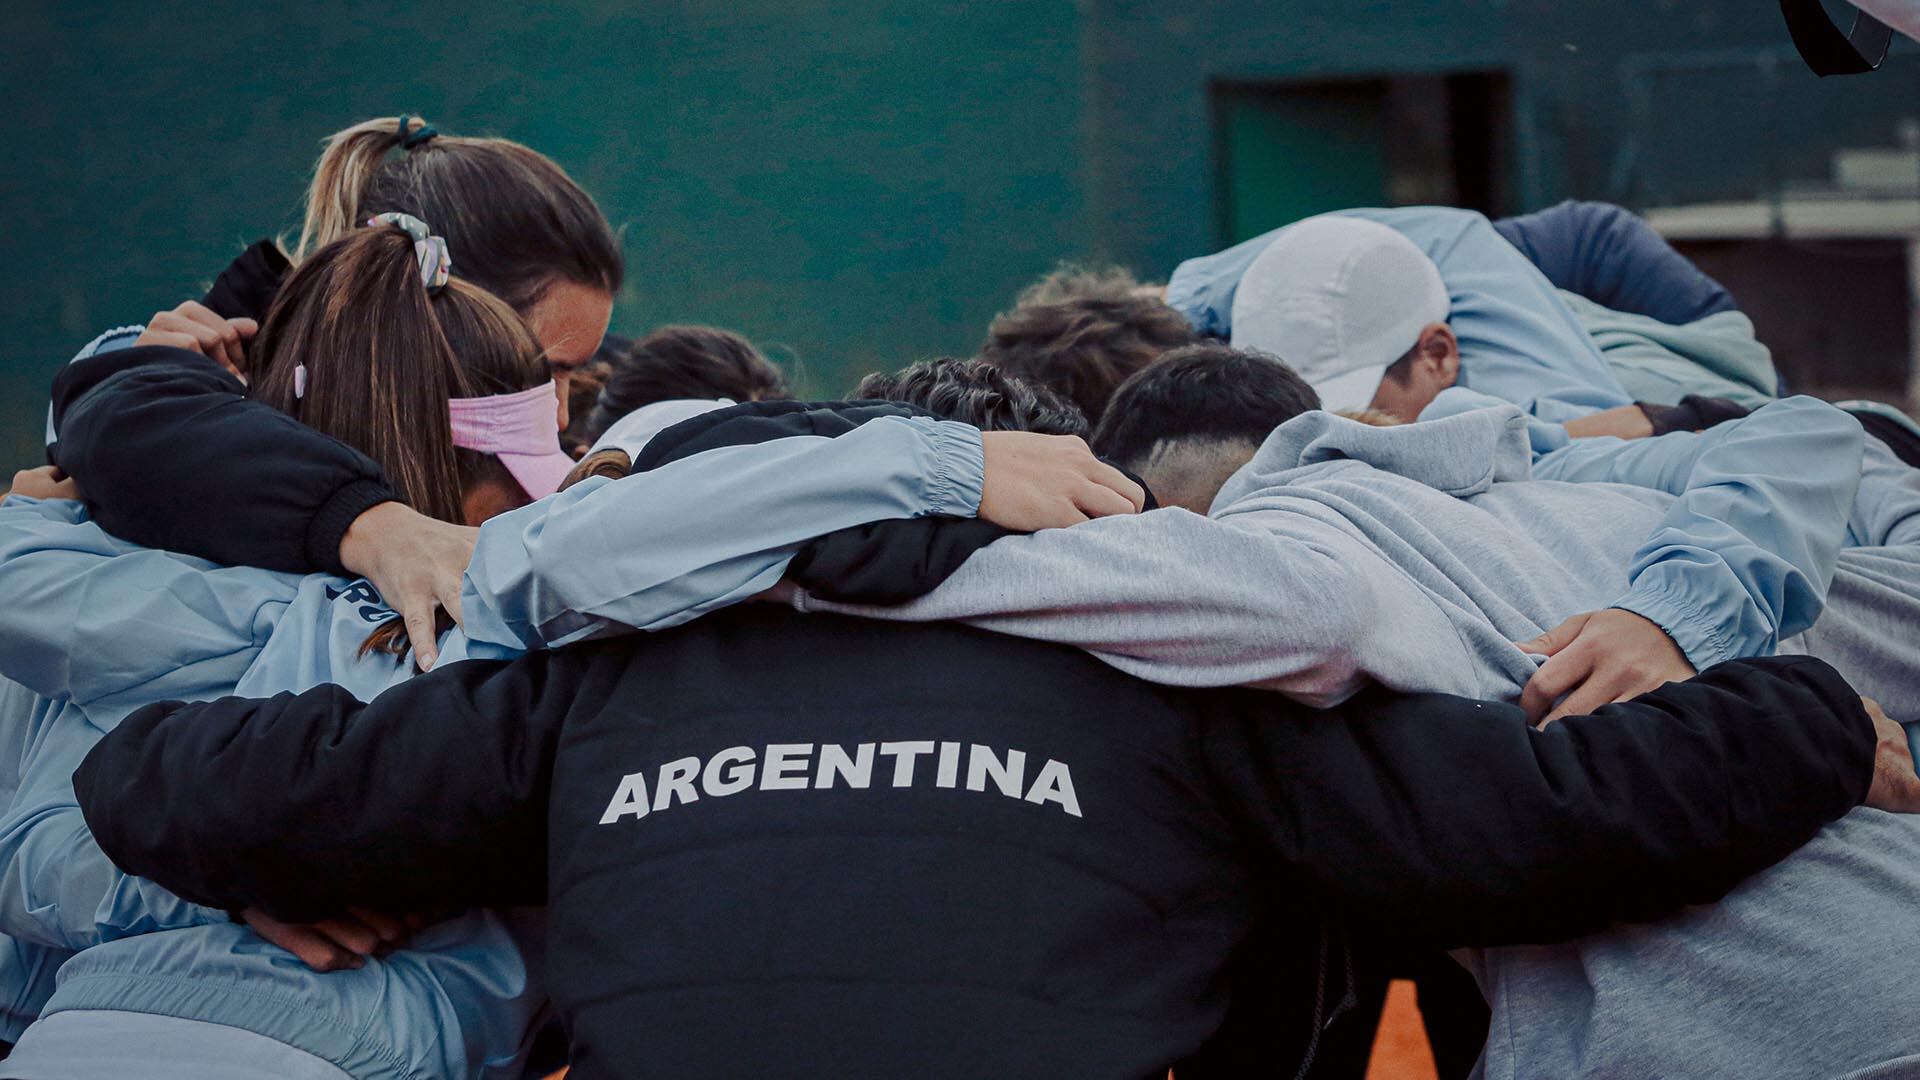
[[246, 288], [172, 454], [1023, 863]]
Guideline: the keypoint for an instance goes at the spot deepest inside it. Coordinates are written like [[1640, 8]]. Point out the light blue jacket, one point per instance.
[[1519, 341], [99, 628]]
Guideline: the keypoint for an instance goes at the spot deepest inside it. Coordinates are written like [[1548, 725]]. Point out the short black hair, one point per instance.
[[975, 392], [1203, 392], [686, 362]]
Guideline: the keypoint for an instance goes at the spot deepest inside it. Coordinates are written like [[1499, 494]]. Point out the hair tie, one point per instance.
[[299, 381], [430, 251], [410, 139]]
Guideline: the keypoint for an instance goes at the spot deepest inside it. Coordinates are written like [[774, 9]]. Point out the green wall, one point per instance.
[[853, 190], [1738, 111], [853, 185]]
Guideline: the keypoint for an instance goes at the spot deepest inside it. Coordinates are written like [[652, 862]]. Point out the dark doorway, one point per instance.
[[1287, 150]]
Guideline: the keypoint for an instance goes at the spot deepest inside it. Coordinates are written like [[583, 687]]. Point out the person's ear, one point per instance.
[[1440, 352]]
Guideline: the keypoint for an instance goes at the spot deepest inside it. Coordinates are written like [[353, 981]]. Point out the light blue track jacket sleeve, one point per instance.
[[57, 889], [1886, 512], [98, 628], [660, 548], [1745, 555], [88, 618], [1519, 342]]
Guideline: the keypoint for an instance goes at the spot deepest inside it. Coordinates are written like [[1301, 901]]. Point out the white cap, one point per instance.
[[1339, 299], [633, 431]]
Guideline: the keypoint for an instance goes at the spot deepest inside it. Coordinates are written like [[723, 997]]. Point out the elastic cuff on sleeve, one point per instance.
[[959, 473], [330, 523], [1704, 647]]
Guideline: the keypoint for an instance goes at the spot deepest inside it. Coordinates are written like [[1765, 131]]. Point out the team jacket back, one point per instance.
[[921, 850]]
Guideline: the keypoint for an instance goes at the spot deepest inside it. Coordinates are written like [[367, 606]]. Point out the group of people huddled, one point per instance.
[[403, 676]]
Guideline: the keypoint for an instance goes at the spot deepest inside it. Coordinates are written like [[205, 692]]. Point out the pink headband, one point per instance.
[[522, 429]]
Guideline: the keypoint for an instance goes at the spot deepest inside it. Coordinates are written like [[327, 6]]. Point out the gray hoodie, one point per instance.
[[1412, 555]]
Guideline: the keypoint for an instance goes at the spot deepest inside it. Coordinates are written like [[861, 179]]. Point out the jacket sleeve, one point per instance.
[[893, 562], [1455, 823], [173, 455], [1326, 614], [432, 797], [889, 562], [1611, 256], [662, 547], [84, 618], [1745, 555], [57, 888], [1886, 510]]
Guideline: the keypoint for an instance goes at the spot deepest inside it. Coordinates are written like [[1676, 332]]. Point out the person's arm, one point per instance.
[[1744, 557], [85, 618], [56, 886], [1279, 601], [171, 454], [1519, 341], [93, 628], [662, 547], [889, 562], [432, 797], [1886, 510], [1611, 256], [1454, 822]]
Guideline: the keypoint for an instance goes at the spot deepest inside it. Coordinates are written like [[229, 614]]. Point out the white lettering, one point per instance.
[[1054, 784], [782, 760], [629, 798], [982, 763], [736, 779], [904, 754], [792, 767], [676, 778], [857, 771]]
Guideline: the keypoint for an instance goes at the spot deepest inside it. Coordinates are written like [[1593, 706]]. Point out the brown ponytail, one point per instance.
[[382, 358], [515, 221]]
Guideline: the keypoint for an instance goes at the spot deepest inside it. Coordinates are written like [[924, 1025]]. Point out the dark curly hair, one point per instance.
[[977, 393]]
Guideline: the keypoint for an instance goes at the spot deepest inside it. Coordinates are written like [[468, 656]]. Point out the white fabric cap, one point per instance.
[[1339, 299], [633, 431]]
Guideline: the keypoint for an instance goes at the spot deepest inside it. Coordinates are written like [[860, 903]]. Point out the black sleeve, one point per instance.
[[1696, 412], [432, 797], [893, 562], [247, 286], [171, 454], [889, 562], [1450, 822]]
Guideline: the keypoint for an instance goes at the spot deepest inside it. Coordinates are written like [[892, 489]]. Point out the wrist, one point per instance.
[[361, 544]]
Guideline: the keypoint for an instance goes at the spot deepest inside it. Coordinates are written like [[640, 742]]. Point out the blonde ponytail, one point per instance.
[[344, 175], [516, 221]]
